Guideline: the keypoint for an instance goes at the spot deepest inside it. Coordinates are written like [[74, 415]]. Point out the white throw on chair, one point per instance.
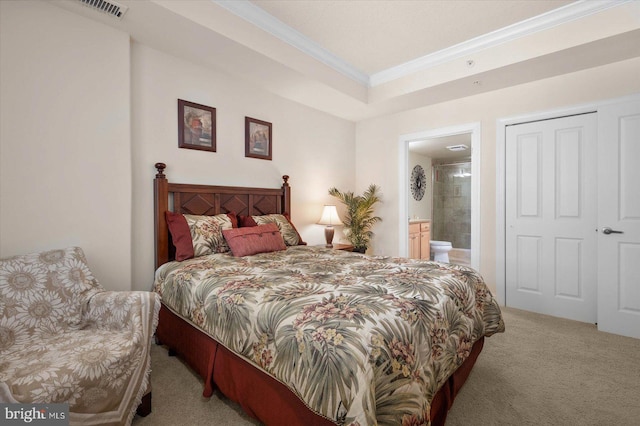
[[65, 339]]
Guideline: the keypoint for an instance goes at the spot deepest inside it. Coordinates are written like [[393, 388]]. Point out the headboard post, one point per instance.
[[286, 195], [161, 205]]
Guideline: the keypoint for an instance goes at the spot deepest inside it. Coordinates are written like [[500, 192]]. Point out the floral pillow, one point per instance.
[[206, 233], [289, 233]]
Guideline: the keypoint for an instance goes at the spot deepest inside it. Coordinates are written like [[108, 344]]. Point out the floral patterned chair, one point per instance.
[[64, 339]]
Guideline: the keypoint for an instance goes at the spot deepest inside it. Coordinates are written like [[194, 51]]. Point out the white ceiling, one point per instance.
[[436, 148], [361, 59], [376, 35]]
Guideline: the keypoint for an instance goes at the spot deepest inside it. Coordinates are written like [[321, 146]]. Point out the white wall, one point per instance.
[[377, 140], [65, 161], [316, 150], [421, 209]]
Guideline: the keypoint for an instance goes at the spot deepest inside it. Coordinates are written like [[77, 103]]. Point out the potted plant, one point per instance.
[[359, 217]]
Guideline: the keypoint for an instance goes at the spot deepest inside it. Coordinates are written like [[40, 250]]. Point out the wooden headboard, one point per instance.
[[209, 200]]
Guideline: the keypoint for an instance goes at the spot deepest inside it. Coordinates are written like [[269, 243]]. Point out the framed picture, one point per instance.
[[196, 126], [257, 138]]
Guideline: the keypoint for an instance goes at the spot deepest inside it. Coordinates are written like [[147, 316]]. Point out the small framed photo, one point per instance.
[[257, 138], [196, 126]]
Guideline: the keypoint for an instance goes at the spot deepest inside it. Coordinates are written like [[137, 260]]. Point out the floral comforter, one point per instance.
[[362, 340]]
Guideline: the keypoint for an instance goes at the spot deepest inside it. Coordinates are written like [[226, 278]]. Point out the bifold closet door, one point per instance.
[[551, 217], [619, 218]]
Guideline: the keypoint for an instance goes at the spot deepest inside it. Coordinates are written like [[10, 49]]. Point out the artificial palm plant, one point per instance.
[[359, 217]]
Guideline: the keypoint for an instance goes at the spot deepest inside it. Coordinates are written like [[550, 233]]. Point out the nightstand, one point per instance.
[[344, 247]]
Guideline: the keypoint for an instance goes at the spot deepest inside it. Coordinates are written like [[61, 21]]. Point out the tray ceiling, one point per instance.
[[361, 59]]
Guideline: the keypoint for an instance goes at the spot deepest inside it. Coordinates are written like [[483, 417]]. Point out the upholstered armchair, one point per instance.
[[64, 339]]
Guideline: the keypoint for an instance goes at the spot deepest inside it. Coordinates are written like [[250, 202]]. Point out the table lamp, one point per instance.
[[330, 219]]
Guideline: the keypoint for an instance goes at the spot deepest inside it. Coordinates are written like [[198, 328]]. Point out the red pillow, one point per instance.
[[233, 218], [180, 234], [255, 239], [245, 221]]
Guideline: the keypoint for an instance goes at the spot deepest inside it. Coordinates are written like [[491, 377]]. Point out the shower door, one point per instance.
[[452, 204]]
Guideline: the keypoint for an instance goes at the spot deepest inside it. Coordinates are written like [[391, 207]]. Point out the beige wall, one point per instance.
[[85, 115], [377, 140], [65, 161], [315, 149]]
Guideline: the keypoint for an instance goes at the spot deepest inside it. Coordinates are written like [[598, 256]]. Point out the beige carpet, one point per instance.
[[541, 371]]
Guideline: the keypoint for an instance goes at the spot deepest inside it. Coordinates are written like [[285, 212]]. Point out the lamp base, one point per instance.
[[328, 235]]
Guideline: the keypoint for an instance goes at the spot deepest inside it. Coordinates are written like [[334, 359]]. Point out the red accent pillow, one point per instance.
[[234, 219], [246, 221], [180, 234], [254, 239]]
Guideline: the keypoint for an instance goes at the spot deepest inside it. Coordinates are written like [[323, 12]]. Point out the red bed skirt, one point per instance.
[[260, 395]]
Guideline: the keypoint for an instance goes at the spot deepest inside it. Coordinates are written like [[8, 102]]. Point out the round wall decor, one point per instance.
[[418, 182]]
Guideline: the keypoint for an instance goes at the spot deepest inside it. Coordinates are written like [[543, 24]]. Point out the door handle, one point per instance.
[[608, 231]]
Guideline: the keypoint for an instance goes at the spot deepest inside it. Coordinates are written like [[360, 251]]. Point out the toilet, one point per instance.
[[440, 250]]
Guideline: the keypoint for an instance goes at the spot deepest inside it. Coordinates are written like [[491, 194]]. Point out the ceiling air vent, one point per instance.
[[106, 6], [457, 148]]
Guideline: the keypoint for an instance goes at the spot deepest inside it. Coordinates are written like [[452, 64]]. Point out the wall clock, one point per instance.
[[418, 182]]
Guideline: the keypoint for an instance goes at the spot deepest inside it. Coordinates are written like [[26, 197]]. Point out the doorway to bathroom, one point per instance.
[[451, 201], [450, 205]]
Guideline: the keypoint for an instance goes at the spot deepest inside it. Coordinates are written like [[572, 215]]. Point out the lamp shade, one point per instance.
[[330, 216]]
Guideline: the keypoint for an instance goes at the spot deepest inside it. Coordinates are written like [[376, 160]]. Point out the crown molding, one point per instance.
[[263, 20], [529, 26]]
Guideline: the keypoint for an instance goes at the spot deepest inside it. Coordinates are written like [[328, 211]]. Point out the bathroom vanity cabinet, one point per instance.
[[419, 239]]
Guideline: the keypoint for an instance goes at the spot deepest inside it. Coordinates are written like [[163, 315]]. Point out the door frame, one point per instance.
[[501, 127], [474, 130]]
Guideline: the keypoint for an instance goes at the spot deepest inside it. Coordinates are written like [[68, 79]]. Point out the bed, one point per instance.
[[310, 335]]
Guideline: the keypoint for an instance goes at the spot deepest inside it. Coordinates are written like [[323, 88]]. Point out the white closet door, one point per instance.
[[619, 210], [551, 217]]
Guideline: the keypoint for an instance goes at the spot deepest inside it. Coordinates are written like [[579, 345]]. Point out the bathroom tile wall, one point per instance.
[[452, 204]]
